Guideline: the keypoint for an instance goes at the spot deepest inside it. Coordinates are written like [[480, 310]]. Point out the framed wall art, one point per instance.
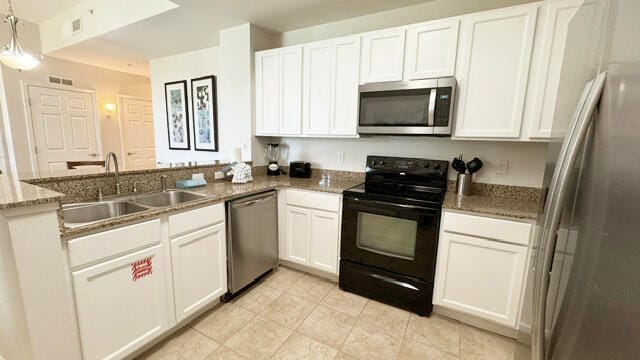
[[205, 113], [176, 100]]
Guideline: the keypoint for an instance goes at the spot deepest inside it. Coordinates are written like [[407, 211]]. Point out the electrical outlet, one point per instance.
[[340, 157], [502, 167]]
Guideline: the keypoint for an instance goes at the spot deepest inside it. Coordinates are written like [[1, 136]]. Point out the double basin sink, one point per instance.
[[89, 212]]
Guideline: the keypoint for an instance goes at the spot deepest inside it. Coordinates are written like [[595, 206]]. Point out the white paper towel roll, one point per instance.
[[236, 155]]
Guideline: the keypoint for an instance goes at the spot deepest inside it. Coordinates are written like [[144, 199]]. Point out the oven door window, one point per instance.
[[387, 235], [394, 108]]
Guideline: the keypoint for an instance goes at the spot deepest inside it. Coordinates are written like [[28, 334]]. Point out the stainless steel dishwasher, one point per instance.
[[252, 239]]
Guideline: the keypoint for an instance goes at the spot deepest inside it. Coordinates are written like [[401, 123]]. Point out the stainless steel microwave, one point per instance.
[[418, 107]]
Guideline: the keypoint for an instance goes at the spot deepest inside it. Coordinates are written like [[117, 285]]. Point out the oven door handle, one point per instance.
[[384, 203]]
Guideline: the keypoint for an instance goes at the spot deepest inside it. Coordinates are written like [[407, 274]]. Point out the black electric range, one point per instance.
[[390, 227]]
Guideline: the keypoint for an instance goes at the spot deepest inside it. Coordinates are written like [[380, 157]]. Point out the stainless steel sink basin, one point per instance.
[[92, 212], [168, 198]]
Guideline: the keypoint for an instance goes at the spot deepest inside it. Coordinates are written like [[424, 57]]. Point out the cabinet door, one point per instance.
[[316, 105], [547, 66], [325, 233], [346, 64], [267, 92], [480, 277], [291, 90], [382, 56], [494, 53], [199, 269], [298, 232], [431, 49], [121, 303]]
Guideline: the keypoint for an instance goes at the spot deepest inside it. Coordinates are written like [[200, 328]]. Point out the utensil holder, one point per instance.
[[463, 185]]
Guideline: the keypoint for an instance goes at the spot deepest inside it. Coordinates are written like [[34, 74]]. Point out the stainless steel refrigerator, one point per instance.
[[582, 299]]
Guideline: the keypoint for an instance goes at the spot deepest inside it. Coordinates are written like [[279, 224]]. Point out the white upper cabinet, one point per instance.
[[346, 63], [291, 87], [317, 77], [494, 55], [547, 65], [431, 49], [330, 87], [382, 56], [268, 92], [278, 91]]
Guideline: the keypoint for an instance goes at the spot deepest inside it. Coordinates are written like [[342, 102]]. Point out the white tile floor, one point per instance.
[[293, 315]]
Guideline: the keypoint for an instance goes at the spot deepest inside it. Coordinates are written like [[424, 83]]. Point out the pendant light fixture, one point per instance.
[[12, 54]]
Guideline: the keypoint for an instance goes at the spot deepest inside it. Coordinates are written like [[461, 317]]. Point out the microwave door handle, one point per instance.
[[432, 108]]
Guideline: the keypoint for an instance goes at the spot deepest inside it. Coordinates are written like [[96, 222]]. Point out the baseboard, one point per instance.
[[477, 322], [320, 273]]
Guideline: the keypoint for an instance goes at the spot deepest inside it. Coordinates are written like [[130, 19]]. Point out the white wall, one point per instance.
[[526, 160], [106, 83], [185, 66]]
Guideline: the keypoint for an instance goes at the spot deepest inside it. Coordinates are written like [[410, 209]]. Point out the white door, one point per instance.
[[298, 232], [431, 49], [199, 269], [549, 56], [323, 247], [121, 303], [64, 127], [345, 70], [316, 104], [494, 54], [138, 139], [480, 277], [267, 65], [382, 56], [291, 90]]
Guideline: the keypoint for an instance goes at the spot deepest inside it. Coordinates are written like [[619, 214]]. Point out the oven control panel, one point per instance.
[[412, 165]]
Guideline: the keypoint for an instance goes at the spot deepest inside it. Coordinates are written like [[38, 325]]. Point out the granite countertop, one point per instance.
[[15, 193], [513, 207], [217, 192]]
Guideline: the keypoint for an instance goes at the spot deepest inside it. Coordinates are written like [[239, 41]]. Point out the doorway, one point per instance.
[[137, 133], [65, 127]]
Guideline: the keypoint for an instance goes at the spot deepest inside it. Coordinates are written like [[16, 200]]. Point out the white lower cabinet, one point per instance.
[[199, 269], [323, 247], [297, 232], [310, 229], [481, 266], [122, 279], [122, 303]]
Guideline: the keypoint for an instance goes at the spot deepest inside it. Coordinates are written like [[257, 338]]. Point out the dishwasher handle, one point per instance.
[[253, 200]]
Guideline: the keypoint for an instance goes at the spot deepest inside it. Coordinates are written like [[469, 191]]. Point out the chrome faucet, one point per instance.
[[107, 164], [163, 183]]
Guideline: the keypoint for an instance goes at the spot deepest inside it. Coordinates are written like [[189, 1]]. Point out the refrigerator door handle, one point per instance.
[[553, 210]]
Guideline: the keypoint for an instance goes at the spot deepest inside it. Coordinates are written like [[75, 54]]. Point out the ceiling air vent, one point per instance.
[[76, 26]]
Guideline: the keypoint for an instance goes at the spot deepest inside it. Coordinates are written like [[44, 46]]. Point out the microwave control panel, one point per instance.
[[443, 106]]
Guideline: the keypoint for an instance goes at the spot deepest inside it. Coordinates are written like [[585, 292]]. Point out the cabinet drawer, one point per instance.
[[113, 242], [195, 219], [479, 226], [313, 200]]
